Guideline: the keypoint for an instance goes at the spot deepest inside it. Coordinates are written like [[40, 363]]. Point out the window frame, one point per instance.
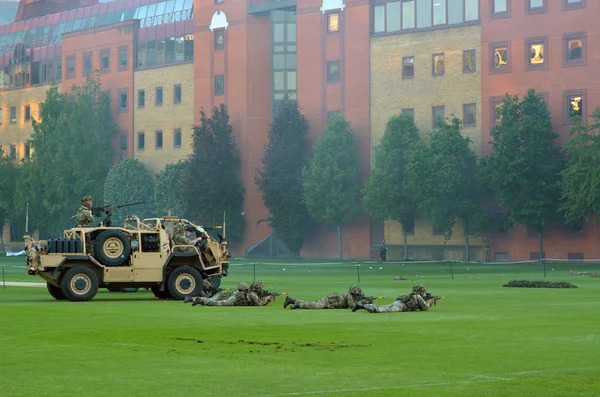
[[103, 52], [143, 136], [126, 49], [576, 6], [494, 100], [571, 36], [67, 74], [328, 21], [13, 120], [501, 14], [158, 133], [469, 51], [528, 43], [175, 131], [465, 106], [413, 67], [433, 73], [570, 93], [143, 90], [162, 96], [123, 109], [216, 79], [219, 33], [536, 10], [433, 119], [26, 110], [121, 140], [500, 44], [410, 111], [331, 78], [175, 101], [85, 57]]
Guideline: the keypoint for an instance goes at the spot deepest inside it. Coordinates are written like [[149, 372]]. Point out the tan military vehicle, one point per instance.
[[141, 254]]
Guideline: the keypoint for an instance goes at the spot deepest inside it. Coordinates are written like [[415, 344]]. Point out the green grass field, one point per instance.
[[483, 340]]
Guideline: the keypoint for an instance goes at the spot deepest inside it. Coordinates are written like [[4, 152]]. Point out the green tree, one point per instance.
[[129, 182], [387, 194], [525, 166], [72, 149], [445, 181], [213, 186], [9, 175], [168, 189], [331, 179], [280, 179], [580, 182]]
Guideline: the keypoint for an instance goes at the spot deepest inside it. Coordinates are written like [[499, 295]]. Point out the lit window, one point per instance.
[[497, 117], [333, 22], [536, 54], [575, 105], [438, 65]]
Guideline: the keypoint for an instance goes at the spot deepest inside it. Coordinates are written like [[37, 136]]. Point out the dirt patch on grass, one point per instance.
[[292, 346], [189, 340], [538, 284]]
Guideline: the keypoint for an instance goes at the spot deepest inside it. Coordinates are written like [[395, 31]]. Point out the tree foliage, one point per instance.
[[580, 182], [387, 194], [9, 175], [212, 185], [280, 179], [71, 153], [331, 179], [129, 182], [168, 190], [525, 166]]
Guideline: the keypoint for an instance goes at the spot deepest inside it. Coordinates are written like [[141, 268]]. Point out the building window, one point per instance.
[[333, 72], [575, 104], [331, 114], [500, 256], [500, 57], [439, 12], [105, 61], [500, 9], [409, 226], [496, 104], [438, 65], [219, 39], [0, 116], [177, 137], [177, 93], [27, 150], [123, 143], [13, 151], [27, 113], [141, 140], [409, 111], [535, 256], [219, 1], [469, 61], [141, 98], [158, 100], [408, 14], [123, 58], [437, 254], [437, 231], [87, 64], [158, 139], [219, 85], [574, 49], [573, 4], [536, 53], [537, 6], [13, 115], [71, 66], [575, 256], [123, 100], [469, 115], [333, 22], [408, 67], [438, 115]]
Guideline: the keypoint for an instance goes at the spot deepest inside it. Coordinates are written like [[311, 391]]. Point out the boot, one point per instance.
[[357, 306], [288, 301], [187, 299], [294, 305], [196, 302]]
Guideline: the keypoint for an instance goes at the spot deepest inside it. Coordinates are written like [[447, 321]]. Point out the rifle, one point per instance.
[[108, 209], [429, 297], [266, 293], [365, 299]]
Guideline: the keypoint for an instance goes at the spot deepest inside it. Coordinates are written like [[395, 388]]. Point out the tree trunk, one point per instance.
[[467, 246], [340, 242], [405, 242], [1, 239], [541, 242]]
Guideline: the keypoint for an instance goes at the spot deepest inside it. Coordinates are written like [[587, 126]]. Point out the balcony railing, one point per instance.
[[260, 6]]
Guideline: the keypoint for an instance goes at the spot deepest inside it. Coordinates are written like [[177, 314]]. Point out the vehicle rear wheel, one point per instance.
[[79, 284], [112, 248], [184, 281], [215, 281], [55, 292]]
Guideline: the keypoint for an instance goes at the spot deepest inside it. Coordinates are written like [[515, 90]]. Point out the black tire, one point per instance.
[[184, 281], [79, 284], [161, 294], [112, 248], [55, 292], [215, 281], [129, 289], [114, 289]]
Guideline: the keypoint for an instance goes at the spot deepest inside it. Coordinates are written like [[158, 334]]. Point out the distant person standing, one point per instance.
[[84, 214], [383, 251]]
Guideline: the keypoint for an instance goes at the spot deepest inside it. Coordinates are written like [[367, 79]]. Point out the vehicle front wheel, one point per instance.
[[55, 292], [184, 281], [79, 284]]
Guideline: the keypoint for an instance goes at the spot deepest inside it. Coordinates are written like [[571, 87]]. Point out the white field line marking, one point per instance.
[[424, 385], [20, 284]]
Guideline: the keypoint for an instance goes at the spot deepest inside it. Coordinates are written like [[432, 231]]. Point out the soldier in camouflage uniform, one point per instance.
[[331, 301], [253, 297], [179, 238], [207, 292], [238, 298], [84, 214], [405, 303]]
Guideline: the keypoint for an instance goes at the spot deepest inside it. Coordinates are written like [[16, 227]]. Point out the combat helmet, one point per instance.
[[257, 286], [419, 290], [87, 199], [242, 286], [179, 227], [355, 290]]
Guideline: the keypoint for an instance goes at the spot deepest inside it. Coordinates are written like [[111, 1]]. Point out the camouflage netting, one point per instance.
[[538, 284]]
